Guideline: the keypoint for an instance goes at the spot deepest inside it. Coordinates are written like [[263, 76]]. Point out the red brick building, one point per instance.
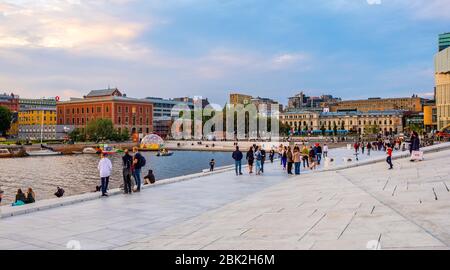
[[134, 114], [10, 101]]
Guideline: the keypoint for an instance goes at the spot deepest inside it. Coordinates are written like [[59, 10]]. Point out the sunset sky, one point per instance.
[[348, 48]]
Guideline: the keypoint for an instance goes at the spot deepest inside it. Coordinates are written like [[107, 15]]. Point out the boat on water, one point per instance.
[[90, 150], [164, 153], [43, 152], [4, 153], [109, 150]]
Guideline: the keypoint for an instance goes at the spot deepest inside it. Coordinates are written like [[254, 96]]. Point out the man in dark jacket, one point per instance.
[[263, 159], [127, 161], [237, 156]]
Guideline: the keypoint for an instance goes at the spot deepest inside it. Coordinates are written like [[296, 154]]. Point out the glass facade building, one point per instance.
[[444, 41]]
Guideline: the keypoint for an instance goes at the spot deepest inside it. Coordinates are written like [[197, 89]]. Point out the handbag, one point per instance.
[[417, 155]]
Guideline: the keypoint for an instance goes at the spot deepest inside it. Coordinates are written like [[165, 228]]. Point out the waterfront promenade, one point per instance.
[[346, 209]]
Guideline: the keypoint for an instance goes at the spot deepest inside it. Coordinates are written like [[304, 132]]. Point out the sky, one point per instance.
[[170, 48]]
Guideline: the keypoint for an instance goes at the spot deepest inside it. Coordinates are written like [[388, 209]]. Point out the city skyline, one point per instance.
[[213, 48]]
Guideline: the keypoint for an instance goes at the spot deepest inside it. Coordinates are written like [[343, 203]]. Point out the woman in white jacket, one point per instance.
[[105, 168]]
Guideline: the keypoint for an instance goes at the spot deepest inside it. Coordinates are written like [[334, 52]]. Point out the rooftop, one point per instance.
[[104, 92]]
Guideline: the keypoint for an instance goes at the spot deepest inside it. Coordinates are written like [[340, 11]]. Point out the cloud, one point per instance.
[[287, 60], [72, 25], [374, 2], [429, 9]]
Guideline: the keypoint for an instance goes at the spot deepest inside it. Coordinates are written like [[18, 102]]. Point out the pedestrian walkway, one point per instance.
[[218, 211], [357, 208]]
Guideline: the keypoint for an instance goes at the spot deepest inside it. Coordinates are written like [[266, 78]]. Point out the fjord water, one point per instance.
[[78, 174]]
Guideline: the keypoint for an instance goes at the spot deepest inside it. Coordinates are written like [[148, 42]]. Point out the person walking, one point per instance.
[[312, 159], [258, 159], [138, 163], [356, 146], [325, 150], [237, 156], [297, 156], [290, 160], [415, 142], [363, 147], [318, 153], [127, 163], [389, 157], [250, 159], [305, 154], [369, 147], [263, 159], [105, 168], [284, 158], [280, 153], [271, 155], [212, 163]]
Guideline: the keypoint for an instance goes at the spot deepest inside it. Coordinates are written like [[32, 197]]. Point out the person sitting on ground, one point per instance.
[[31, 196], [59, 192], [20, 198], [149, 178]]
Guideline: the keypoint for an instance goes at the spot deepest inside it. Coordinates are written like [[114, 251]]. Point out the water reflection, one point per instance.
[[78, 174]]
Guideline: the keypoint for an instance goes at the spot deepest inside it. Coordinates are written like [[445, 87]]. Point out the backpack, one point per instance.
[[141, 161]]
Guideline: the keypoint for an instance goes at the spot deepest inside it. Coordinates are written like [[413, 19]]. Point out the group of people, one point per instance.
[[255, 156], [297, 155], [289, 157], [24, 198], [132, 165]]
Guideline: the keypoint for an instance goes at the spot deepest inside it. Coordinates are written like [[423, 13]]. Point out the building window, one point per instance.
[[119, 120], [107, 109], [87, 110], [119, 109], [126, 109], [99, 109], [82, 110]]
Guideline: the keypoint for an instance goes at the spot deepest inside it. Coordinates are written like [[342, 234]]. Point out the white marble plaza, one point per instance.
[[355, 208]]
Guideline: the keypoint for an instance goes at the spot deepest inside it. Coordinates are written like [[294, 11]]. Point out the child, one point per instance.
[[211, 165], [389, 156]]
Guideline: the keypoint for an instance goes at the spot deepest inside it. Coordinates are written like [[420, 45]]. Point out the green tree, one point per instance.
[[371, 129], [125, 135], [75, 135], [5, 120], [100, 129], [284, 128], [415, 127]]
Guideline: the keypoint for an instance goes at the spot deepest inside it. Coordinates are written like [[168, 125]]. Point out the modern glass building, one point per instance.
[[444, 41], [442, 75]]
